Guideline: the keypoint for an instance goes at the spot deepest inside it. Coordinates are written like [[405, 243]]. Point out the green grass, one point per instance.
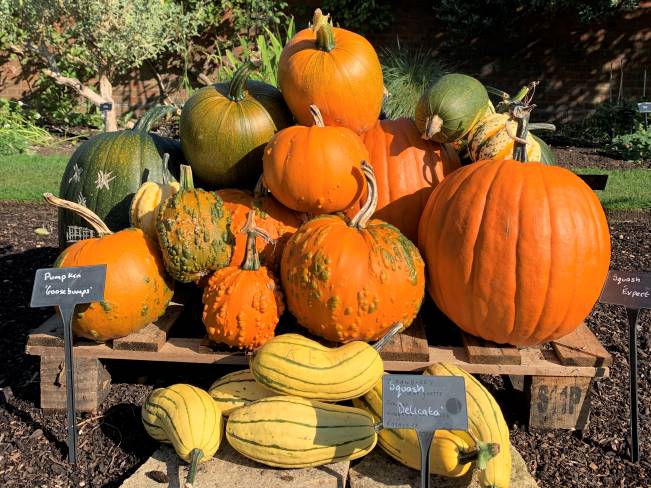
[[28, 176], [625, 190]]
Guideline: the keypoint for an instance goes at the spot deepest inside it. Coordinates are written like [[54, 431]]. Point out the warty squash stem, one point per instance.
[[520, 112], [325, 36], [187, 182], [368, 209], [146, 122], [386, 338], [195, 456], [317, 116], [251, 260], [88, 215], [238, 84]]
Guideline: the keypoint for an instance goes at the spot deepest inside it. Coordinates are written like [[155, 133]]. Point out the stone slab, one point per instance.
[[378, 470], [229, 469]]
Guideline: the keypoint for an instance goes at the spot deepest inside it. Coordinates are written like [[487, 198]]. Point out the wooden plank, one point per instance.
[[50, 333], [485, 352], [581, 348], [410, 345], [559, 403], [153, 336]]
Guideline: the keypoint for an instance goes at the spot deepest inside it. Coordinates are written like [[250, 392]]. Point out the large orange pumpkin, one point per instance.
[[315, 169], [347, 281], [335, 69], [407, 168], [137, 289], [516, 252], [243, 302], [273, 217]]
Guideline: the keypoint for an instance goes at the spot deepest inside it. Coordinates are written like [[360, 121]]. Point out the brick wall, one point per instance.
[[573, 62]]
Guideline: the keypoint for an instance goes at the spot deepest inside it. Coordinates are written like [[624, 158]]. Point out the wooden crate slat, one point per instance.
[[485, 352], [581, 348], [153, 336], [49, 333], [410, 345], [559, 403]]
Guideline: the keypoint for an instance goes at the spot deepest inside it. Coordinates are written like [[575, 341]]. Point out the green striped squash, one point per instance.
[[451, 107], [294, 432], [236, 390], [546, 154], [295, 365], [489, 139], [104, 173]]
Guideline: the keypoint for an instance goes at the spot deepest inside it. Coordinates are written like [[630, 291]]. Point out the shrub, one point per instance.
[[18, 130], [633, 147]]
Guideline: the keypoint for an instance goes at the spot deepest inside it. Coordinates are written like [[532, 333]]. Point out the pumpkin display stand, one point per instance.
[[555, 378]]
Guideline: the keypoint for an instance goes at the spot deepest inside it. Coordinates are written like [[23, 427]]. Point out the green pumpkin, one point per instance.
[[545, 151], [104, 173], [225, 127], [451, 107]]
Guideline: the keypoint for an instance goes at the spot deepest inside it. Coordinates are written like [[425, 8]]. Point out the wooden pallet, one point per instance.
[[556, 380]]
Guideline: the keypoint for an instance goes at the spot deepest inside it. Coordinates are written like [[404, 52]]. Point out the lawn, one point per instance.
[[625, 190], [28, 176]]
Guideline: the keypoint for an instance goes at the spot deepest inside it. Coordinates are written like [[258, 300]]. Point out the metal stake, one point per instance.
[[425, 440], [67, 311], [633, 314]]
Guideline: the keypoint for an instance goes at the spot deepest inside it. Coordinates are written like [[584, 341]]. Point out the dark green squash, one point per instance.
[[104, 173], [451, 107], [224, 128], [545, 151]]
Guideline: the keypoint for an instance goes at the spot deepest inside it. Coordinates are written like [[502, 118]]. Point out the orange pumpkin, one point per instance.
[[243, 303], [407, 168], [516, 252], [273, 217], [351, 281], [315, 169], [335, 69], [137, 289]]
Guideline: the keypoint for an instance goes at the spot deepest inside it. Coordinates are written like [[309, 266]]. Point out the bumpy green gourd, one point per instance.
[[193, 231]]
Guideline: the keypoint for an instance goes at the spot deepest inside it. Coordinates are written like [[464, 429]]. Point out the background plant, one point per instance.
[[633, 147], [362, 16], [18, 129]]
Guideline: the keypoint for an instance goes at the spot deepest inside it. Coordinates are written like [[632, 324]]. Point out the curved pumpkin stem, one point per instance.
[[166, 158], [152, 115], [386, 338], [195, 456], [187, 182], [321, 26], [251, 260], [362, 217], [238, 83], [433, 125], [317, 116], [85, 213]]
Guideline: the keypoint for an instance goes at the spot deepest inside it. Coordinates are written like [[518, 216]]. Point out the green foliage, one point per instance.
[[633, 147], [18, 129], [407, 73], [628, 189], [268, 47], [361, 16]]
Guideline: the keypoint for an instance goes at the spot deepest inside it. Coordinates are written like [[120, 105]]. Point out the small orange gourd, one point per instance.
[[242, 304]]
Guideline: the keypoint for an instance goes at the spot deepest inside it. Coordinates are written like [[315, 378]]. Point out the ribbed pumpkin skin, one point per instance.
[[346, 284], [403, 445], [516, 252], [407, 169], [293, 432], [146, 203], [242, 307], [489, 140], [331, 156], [236, 390], [193, 232], [295, 365], [459, 100], [104, 173], [271, 216], [137, 289], [345, 83], [186, 417], [223, 139], [486, 424]]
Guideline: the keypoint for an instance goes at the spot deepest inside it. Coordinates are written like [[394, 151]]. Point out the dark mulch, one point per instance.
[[113, 443], [590, 157]]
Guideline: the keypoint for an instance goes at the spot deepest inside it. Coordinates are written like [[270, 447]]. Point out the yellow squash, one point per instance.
[[293, 432], [186, 417], [493, 138], [485, 423], [236, 390], [295, 365]]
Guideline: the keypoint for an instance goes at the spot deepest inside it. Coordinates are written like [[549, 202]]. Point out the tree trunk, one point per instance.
[[110, 116]]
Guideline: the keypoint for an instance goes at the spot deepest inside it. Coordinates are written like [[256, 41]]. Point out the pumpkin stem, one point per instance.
[[195, 456], [362, 217], [251, 260], [433, 126], [240, 78], [386, 338], [321, 26], [152, 115], [542, 126], [187, 182], [166, 158], [484, 452], [317, 116], [85, 213]]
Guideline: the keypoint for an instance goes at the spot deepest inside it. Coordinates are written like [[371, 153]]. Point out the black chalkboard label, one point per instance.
[[629, 288], [424, 403], [644, 107], [67, 287]]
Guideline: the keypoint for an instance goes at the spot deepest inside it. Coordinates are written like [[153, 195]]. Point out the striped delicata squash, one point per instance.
[[236, 390]]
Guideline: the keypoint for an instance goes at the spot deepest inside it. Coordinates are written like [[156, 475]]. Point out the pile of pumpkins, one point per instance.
[[284, 412]]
